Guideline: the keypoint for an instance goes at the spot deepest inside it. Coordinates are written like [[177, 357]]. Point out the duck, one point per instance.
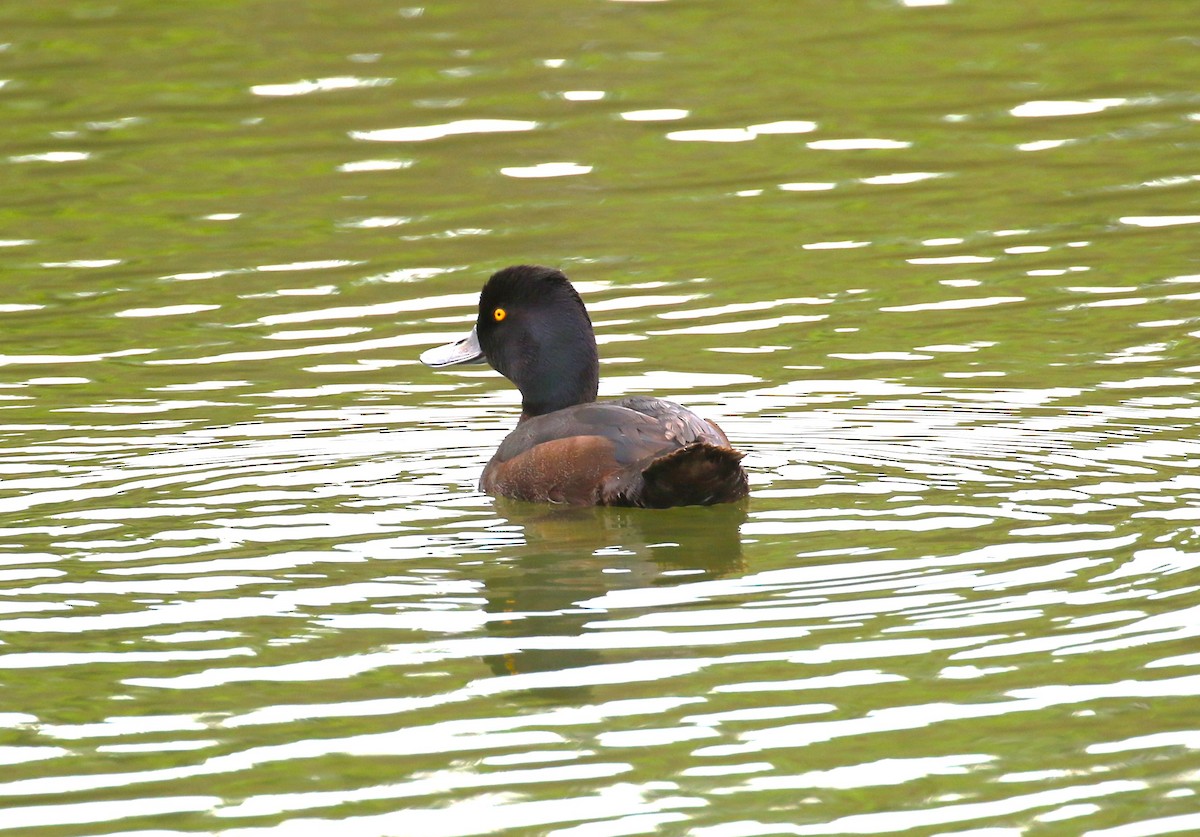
[[568, 448]]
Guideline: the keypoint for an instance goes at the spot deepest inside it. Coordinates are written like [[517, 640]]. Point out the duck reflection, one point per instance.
[[572, 554]]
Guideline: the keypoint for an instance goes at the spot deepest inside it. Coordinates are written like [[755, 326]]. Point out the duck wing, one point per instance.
[[678, 422]]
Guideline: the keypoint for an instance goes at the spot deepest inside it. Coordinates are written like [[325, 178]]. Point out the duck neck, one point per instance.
[[531, 407], [563, 380]]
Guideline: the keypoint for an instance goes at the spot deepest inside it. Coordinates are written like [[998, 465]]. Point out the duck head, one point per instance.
[[534, 330]]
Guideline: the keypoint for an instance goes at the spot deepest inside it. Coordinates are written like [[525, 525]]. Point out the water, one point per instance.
[[932, 266]]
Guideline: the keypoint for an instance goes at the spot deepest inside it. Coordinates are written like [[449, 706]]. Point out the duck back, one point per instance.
[[638, 451]]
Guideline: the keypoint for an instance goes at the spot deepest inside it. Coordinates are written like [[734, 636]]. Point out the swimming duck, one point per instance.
[[568, 447]]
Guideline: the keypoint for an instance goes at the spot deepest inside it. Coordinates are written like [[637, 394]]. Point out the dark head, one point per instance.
[[534, 330]]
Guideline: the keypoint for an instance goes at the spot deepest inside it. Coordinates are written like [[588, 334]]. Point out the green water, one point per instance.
[[933, 267]]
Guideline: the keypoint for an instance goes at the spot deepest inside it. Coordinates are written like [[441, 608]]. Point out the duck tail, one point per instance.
[[700, 474]]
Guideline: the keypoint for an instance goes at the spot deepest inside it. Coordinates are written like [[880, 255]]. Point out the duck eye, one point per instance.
[[499, 314]]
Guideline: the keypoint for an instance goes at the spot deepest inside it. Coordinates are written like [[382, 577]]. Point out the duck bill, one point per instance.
[[462, 351]]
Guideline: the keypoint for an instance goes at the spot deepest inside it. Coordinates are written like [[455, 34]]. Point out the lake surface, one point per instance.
[[933, 266]]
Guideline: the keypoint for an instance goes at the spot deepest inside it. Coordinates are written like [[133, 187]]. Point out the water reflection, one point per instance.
[[572, 555]]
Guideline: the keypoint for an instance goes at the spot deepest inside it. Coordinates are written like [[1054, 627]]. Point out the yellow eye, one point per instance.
[[499, 314]]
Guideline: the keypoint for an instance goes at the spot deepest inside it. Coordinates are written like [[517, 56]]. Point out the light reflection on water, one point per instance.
[[632, 631], [247, 585]]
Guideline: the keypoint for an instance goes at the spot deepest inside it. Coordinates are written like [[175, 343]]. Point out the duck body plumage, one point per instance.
[[567, 447], [638, 451]]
